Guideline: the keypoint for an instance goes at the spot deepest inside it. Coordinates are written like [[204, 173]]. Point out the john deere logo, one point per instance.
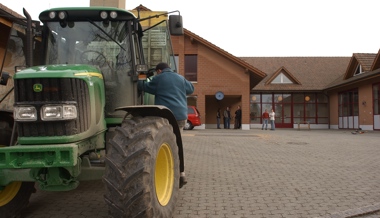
[[37, 87]]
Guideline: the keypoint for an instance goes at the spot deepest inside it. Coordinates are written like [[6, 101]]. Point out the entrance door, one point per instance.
[[283, 115], [283, 110], [349, 109]]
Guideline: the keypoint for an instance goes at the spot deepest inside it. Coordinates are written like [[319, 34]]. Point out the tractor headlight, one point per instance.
[[103, 15], [113, 14], [58, 112], [52, 14], [25, 113], [62, 15]]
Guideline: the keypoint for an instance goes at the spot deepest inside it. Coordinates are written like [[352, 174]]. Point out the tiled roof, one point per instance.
[[376, 62], [7, 11], [13, 16], [339, 82], [364, 59], [313, 73], [258, 74]]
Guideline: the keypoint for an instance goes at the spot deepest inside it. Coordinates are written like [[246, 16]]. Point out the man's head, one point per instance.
[[161, 66]]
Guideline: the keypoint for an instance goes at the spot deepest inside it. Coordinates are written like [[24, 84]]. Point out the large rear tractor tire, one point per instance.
[[142, 169], [15, 196]]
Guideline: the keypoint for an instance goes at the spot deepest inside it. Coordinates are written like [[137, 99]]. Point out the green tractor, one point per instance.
[[78, 115]]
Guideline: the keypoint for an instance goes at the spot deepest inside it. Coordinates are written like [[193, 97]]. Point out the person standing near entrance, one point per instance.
[[272, 116], [227, 118], [218, 119], [265, 119], [237, 118]]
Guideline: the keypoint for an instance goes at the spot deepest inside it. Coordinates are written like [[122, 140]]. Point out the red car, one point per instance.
[[193, 118]]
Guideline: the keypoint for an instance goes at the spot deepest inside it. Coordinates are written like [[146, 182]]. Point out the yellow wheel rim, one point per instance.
[[164, 174], [9, 192]]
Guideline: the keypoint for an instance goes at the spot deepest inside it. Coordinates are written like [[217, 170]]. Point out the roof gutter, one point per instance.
[[374, 74]]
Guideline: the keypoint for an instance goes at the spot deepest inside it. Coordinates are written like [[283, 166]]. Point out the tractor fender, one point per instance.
[[159, 111]]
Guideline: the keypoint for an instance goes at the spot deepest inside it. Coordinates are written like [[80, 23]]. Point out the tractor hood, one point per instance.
[[59, 71]]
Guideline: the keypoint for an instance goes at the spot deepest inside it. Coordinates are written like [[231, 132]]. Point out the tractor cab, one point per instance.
[[110, 39]]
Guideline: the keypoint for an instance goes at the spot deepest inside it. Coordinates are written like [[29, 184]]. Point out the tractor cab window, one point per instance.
[[105, 45], [157, 45], [94, 43]]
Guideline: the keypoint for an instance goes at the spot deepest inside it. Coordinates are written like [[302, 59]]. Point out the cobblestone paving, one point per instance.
[[256, 174]]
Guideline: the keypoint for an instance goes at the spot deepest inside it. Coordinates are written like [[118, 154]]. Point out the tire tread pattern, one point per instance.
[[130, 165]]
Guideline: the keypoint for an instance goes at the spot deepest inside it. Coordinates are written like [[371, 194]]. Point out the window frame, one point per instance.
[[191, 67]]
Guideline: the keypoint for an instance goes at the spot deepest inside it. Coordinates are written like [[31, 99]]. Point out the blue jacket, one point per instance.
[[170, 90]]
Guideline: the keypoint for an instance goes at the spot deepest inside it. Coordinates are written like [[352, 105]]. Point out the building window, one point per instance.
[[291, 108], [358, 70], [376, 106], [305, 108], [191, 67], [281, 78], [348, 103], [348, 109], [255, 108], [310, 107], [376, 99], [322, 108]]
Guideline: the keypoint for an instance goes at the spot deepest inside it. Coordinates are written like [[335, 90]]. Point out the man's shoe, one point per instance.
[[182, 181]]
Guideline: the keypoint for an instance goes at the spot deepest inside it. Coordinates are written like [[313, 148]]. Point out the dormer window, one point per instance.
[[281, 78], [358, 70]]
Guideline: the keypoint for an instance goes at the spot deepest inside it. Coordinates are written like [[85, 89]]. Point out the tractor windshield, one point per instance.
[[105, 45]]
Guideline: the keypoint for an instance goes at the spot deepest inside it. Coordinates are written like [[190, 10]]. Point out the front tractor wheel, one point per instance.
[[142, 169], [14, 197]]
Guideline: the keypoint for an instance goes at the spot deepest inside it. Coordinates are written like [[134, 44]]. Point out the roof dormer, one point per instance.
[[359, 64], [282, 76]]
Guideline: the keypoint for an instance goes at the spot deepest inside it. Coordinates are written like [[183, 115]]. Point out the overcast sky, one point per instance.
[[263, 27]]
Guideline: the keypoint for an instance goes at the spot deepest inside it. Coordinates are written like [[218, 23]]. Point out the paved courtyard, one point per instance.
[[256, 173]]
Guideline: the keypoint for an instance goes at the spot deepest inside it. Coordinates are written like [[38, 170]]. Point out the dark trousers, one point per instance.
[[227, 123], [237, 123]]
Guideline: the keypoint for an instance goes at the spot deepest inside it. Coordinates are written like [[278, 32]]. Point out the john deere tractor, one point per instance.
[[78, 115]]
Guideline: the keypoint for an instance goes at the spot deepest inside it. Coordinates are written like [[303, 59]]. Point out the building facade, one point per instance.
[[355, 94]]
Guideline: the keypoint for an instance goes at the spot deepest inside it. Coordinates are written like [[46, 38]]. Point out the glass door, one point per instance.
[[283, 110]]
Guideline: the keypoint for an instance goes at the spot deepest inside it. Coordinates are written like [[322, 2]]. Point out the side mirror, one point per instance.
[[176, 25]]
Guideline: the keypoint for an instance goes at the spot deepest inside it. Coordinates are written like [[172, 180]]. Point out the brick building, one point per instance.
[[326, 92]]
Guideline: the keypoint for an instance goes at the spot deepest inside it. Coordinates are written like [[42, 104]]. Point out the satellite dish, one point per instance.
[[219, 95]]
